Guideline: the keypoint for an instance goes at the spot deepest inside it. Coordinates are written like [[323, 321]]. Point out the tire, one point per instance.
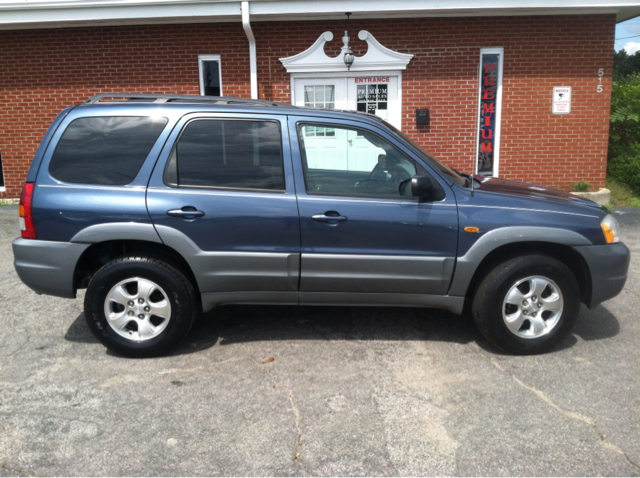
[[527, 304], [139, 306]]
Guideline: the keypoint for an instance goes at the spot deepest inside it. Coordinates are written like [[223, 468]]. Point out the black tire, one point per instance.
[[148, 286], [507, 317]]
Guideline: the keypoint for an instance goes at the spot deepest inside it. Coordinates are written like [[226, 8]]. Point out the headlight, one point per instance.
[[610, 229]]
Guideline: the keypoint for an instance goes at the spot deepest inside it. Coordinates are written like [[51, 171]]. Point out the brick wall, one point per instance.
[[44, 71]]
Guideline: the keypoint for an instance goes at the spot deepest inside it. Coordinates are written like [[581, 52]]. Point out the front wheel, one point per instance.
[[139, 306], [527, 304]]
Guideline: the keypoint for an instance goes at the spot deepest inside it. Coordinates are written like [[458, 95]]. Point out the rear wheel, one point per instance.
[[139, 306], [527, 304]]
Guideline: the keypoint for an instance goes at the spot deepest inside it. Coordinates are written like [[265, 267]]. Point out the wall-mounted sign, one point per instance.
[[490, 81], [561, 100], [373, 79]]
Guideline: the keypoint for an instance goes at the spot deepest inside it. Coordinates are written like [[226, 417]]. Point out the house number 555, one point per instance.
[[600, 75]]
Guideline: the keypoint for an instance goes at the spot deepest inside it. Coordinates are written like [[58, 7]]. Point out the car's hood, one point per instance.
[[508, 186]]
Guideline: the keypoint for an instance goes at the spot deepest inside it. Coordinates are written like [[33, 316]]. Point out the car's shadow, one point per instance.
[[233, 324]]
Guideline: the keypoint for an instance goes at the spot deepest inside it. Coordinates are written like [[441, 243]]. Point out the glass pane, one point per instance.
[[231, 154], [211, 78], [353, 162], [104, 150], [319, 96], [309, 98]]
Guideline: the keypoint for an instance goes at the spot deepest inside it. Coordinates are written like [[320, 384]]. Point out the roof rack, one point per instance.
[[158, 99]]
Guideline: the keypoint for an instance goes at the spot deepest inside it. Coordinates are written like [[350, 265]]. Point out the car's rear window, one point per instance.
[[105, 149], [233, 154]]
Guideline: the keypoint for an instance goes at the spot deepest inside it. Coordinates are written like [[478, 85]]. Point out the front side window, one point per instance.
[[354, 162], [236, 154], [105, 149]]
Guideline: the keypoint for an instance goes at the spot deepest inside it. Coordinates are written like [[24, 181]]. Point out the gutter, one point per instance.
[[253, 60]]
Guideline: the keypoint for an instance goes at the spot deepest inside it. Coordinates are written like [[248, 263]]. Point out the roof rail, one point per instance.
[[151, 98]]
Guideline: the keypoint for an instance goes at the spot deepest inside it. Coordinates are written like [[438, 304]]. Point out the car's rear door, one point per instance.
[[223, 196]]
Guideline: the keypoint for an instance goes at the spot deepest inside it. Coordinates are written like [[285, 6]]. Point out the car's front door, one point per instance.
[[361, 231], [223, 197]]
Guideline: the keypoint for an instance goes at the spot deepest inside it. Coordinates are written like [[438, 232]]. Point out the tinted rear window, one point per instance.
[[104, 150], [238, 154]]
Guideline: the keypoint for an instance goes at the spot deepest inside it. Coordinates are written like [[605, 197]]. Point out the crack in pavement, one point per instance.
[[296, 412], [573, 415]]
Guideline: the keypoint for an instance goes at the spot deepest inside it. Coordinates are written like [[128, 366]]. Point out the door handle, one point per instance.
[[187, 212], [330, 217]]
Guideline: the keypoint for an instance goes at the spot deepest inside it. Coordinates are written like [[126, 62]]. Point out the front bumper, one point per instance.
[[47, 267], [608, 266]]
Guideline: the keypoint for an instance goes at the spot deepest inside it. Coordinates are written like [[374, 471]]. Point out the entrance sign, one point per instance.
[[376, 79], [490, 104], [561, 100]]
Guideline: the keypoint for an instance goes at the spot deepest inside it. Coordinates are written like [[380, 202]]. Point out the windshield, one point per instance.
[[428, 158]]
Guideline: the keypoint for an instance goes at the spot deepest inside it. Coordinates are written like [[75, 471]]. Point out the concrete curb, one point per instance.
[[602, 196]]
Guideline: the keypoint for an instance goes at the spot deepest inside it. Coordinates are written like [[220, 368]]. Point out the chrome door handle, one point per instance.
[[186, 212], [330, 217]]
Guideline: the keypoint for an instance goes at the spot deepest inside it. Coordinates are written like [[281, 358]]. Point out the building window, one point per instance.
[[210, 76], [489, 109], [1, 174], [372, 98], [319, 96]]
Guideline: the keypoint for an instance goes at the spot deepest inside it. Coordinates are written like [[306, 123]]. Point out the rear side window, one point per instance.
[[105, 149], [235, 154]]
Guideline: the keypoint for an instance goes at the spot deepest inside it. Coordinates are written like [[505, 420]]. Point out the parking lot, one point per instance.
[[257, 390]]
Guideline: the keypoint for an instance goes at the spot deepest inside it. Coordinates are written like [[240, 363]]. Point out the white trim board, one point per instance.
[[65, 13]]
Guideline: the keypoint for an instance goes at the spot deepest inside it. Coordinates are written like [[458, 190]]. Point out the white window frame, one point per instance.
[[201, 60], [496, 151]]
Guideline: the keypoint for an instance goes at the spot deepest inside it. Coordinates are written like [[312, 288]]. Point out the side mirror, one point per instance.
[[421, 186]]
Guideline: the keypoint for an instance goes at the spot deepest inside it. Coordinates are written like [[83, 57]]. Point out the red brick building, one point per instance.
[[520, 92]]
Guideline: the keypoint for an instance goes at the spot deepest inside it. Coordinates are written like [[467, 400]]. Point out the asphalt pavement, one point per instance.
[[258, 390]]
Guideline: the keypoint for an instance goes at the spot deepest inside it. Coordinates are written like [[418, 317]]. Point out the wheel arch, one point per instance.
[[101, 253], [561, 252]]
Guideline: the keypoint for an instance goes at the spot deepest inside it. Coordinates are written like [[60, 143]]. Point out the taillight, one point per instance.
[[27, 229]]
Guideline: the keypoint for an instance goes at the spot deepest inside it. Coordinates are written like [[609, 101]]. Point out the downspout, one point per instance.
[[253, 61]]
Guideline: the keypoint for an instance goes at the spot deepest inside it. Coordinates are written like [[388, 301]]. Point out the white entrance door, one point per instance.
[[378, 95], [324, 146]]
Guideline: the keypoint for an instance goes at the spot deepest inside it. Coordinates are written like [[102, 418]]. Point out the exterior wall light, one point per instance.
[[348, 55]]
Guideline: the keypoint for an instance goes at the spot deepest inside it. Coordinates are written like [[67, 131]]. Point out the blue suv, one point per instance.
[[164, 207]]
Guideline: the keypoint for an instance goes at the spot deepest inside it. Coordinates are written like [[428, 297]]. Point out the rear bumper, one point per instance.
[[608, 266], [47, 267]]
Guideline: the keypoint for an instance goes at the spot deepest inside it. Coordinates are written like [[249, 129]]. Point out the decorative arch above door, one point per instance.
[[372, 84]]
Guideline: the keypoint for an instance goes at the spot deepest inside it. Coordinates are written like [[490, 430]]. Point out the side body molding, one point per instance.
[[466, 265], [222, 273], [114, 231]]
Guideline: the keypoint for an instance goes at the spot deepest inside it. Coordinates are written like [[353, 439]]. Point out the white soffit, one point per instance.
[[377, 58], [64, 13]]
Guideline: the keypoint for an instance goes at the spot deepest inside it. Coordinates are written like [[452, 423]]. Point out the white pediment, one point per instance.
[[377, 58]]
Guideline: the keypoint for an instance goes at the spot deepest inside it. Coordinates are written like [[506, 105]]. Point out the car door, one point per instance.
[[361, 231], [223, 196]]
